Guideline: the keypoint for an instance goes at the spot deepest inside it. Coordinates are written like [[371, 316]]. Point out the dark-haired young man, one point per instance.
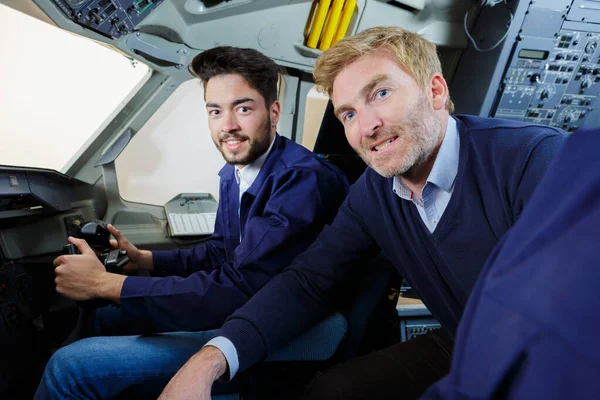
[[275, 197]]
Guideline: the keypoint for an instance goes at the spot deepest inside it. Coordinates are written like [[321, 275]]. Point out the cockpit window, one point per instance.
[[57, 91], [172, 153]]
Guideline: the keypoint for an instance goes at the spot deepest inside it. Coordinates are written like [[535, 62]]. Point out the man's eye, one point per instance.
[[213, 112], [348, 116], [382, 93], [243, 110]]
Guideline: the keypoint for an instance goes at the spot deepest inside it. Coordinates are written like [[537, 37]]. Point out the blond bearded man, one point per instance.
[[440, 192]]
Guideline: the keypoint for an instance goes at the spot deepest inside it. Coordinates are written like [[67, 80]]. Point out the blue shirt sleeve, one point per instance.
[[229, 351]]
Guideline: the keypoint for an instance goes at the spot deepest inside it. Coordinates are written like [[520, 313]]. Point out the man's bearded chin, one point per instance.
[[257, 147], [420, 139], [411, 160]]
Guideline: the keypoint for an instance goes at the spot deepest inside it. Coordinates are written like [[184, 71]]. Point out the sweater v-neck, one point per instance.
[[438, 233]]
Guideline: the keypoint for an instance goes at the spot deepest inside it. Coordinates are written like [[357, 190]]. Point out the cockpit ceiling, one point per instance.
[[274, 27]]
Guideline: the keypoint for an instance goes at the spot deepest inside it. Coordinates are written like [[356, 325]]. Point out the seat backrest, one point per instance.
[[339, 335], [331, 138], [332, 145]]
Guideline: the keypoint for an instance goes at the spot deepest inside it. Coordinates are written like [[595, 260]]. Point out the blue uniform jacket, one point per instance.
[[294, 195], [530, 328]]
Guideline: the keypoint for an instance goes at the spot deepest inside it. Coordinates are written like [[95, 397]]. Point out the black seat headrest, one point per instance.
[[331, 138], [332, 145]]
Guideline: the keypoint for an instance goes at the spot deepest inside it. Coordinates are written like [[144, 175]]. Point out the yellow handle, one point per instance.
[[309, 21], [331, 26], [317, 26], [345, 20]]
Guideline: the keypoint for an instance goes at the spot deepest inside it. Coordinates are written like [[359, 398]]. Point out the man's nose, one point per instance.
[[368, 122], [230, 123]]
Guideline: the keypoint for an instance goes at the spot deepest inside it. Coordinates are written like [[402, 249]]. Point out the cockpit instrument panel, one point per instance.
[[112, 18], [33, 191], [554, 81], [547, 71]]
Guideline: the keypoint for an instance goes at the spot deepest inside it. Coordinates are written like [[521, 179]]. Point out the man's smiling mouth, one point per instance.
[[384, 144]]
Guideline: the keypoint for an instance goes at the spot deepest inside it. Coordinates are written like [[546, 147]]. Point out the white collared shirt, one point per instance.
[[440, 182], [246, 176]]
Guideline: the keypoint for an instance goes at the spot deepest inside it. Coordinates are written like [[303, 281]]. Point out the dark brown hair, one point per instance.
[[258, 70]]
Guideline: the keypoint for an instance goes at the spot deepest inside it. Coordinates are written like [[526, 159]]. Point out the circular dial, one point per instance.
[[545, 92], [568, 115], [591, 47]]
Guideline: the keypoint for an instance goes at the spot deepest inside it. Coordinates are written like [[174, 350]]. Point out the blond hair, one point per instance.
[[417, 56]]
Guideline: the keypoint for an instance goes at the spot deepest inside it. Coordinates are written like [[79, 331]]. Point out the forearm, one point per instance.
[[195, 378], [209, 361], [145, 260], [109, 287]]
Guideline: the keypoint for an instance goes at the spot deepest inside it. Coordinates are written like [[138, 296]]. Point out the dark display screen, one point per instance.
[[533, 54]]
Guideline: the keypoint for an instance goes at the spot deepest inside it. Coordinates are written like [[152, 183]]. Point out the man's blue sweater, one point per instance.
[[537, 300], [500, 164]]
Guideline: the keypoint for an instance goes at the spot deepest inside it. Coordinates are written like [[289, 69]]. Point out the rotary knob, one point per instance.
[[586, 83], [591, 47]]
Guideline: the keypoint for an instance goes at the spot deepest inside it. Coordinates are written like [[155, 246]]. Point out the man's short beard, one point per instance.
[[257, 147], [417, 157], [424, 130]]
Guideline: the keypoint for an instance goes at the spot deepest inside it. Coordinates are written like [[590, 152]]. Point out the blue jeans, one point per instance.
[[137, 366]]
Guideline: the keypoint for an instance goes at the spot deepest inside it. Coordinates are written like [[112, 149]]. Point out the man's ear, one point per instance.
[[439, 91], [275, 112]]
